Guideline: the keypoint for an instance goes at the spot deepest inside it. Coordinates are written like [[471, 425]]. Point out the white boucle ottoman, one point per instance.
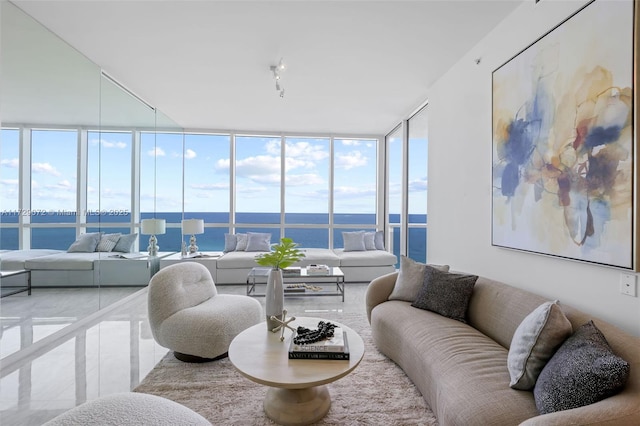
[[129, 408]]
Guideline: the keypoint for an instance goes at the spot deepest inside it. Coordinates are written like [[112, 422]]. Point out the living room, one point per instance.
[[459, 162]]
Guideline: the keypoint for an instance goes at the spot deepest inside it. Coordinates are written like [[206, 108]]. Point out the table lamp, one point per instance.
[[192, 227], [153, 227]]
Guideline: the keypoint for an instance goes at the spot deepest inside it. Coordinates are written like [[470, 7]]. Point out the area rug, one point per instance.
[[377, 392]]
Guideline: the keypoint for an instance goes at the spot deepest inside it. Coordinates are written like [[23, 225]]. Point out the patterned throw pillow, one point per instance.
[[583, 370], [534, 342], [86, 243], [241, 244], [108, 242], [445, 293]]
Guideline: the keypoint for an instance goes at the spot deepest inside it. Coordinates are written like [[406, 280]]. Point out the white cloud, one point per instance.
[[304, 179], [418, 185], [306, 151], [45, 168], [12, 163], [108, 144], [350, 160], [210, 186], [9, 182], [353, 191], [190, 154], [350, 142], [156, 152], [222, 164]]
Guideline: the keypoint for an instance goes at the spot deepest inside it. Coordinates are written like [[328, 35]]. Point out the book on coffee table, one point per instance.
[[335, 348]]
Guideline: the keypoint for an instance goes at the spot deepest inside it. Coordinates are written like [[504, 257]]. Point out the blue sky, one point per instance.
[[206, 173]]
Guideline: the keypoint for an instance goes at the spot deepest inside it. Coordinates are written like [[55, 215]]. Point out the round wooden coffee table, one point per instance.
[[297, 393]]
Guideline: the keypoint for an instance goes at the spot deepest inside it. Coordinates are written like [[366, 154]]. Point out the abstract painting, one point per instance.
[[563, 140]]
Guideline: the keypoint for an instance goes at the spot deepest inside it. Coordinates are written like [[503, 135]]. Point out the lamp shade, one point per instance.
[[192, 226], [152, 226]]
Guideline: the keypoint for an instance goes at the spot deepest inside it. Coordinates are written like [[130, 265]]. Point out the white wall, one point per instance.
[[460, 180]]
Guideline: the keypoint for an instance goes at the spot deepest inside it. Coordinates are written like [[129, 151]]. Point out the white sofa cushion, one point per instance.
[[15, 259], [365, 258], [65, 261]]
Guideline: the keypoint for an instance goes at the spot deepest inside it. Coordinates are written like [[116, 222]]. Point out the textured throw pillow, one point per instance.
[[535, 341], [257, 241], [353, 241], [370, 241], [241, 244], [379, 240], [583, 370], [230, 242], [410, 279], [86, 243], [125, 243], [445, 293], [108, 242]]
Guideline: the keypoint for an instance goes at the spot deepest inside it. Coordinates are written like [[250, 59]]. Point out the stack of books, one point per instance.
[[292, 271], [318, 270], [335, 348]]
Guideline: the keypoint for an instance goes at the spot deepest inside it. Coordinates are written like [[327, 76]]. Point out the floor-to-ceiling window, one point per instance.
[[9, 188], [306, 202], [54, 179], [406, 168], [417, 185]]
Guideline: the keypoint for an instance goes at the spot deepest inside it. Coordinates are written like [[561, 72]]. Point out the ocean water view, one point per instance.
[[216, 225]]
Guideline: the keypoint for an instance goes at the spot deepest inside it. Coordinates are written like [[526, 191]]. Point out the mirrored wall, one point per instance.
[[72, 163]]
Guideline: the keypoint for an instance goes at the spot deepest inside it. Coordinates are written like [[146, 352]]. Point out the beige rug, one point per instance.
[[376, 393]]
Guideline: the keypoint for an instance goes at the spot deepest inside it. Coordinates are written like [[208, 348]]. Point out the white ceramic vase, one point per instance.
[[274, 303]]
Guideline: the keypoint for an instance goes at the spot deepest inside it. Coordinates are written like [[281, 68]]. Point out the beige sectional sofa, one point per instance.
[[461, 369]]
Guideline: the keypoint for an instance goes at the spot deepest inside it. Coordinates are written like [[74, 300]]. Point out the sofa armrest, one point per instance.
[[620, 409], [379, 291]]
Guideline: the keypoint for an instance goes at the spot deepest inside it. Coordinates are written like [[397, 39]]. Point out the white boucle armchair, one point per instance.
[[188, 316]]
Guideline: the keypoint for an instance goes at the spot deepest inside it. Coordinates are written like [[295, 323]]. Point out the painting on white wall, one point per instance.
[[563, 140]]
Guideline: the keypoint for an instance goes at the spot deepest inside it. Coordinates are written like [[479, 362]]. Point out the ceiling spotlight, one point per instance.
[[275, 70]]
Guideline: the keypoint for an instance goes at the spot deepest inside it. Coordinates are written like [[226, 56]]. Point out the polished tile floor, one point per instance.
[[58, 352]]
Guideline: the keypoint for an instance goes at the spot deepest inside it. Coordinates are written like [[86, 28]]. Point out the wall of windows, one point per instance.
[[406, 168], [307, 188]]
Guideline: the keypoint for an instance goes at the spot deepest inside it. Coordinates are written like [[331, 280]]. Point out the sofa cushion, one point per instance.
[[583, 370], [237, 260], [85, 243], [535, 341], [258, 241], [410, 279], [353, 241], [318, 256], [15, 259], [379, 240], [108, 242], [125, 243], [365, 258], [64, 261], [445, 293]]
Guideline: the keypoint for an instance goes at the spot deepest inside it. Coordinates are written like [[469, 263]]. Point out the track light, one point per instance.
[[275, 70]]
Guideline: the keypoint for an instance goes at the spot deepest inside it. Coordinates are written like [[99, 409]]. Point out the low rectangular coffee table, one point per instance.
[[11, 290], [331, 284]]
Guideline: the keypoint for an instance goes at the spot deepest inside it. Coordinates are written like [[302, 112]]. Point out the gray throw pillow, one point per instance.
[[445, 293], [379, 240], [125, 243], [353, 241], [86, 243], [108, 242], [241, 243], [534, 342], [410, 279], [257, 241], [583, 370], [370, 240], [230, 242]]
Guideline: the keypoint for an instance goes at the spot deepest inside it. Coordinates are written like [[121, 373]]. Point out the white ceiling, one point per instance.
[[354, 67]]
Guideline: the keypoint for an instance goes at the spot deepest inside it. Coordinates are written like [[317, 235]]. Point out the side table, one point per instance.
[[11, 290]]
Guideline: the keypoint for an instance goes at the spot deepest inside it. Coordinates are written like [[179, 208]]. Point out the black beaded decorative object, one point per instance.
[[305, 336]]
